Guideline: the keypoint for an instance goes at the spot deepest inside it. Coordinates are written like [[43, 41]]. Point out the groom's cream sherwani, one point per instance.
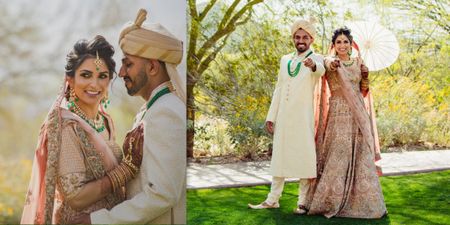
[[158, 194], [292, 111]]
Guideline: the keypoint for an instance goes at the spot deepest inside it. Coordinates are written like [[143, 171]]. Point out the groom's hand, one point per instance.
[[133, 147], [308, 62], [269, 127]]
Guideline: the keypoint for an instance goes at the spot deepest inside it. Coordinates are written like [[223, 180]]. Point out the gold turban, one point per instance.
[[153, 41], [306, 25]]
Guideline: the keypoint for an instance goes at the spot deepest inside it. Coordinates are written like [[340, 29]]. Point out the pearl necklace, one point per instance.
[[98, 123]]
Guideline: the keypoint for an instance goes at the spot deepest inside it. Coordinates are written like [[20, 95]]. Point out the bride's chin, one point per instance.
[[91, 104]]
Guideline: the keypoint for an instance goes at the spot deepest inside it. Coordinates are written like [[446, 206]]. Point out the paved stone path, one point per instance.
[[256, 173]]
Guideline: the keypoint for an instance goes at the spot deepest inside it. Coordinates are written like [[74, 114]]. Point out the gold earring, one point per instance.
[[72, 98], [105, 101]]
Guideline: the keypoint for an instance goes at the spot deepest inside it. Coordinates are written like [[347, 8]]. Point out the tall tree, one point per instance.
[[205, 44]]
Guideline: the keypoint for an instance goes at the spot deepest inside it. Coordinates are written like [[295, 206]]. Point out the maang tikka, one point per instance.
[[97, 62]]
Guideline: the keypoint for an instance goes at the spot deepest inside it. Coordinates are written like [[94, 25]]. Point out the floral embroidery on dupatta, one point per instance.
[[93, 159], [93, 162], [53, 143]]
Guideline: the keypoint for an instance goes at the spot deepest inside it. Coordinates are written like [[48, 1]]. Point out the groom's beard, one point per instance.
[[136, 84], [301, 47]]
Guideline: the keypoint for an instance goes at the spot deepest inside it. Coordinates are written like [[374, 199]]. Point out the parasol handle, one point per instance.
[[354, 45]]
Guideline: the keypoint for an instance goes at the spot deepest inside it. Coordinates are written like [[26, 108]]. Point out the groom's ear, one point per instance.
[[152, 67]]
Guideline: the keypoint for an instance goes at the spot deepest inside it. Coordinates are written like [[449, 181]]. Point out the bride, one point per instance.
[[78, 166]]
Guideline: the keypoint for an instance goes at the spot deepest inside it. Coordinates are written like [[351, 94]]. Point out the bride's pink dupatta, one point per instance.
[[41, 196]]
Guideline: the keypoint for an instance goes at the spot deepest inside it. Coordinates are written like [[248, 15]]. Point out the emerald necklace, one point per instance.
[[297, 68]]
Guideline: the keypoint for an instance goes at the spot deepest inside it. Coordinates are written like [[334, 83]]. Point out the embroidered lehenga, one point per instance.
[[347, 148], [69, 155]]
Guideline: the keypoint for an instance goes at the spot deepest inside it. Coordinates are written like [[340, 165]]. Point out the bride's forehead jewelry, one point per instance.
[[98, 62]]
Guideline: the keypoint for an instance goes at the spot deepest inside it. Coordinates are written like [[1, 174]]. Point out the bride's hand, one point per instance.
[[364, 71], [334, 64], [133, 147]]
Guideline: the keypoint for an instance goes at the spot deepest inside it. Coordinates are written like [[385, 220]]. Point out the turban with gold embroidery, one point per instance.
[[153, 41]]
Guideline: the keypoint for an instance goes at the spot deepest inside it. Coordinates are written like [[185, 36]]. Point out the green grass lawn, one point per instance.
[[412, 199]]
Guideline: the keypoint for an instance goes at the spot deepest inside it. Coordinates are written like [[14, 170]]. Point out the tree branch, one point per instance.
[[229, 28], [205, 63], [193, 37], [228, 14], [246, 19], [206, 10]]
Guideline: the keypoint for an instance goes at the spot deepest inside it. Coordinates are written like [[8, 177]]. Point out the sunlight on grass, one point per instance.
[[412, 199]]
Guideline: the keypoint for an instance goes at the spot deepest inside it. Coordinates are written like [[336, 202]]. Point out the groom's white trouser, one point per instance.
[[277, 188]]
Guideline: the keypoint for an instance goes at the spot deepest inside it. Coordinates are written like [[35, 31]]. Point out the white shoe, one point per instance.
[[265, 205], [300, 210]]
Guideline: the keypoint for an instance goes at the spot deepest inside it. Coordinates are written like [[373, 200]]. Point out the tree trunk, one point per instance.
[[200, 57], [190, 121]]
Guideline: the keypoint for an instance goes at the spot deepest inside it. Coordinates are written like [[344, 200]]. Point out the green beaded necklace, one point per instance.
[[349, 64], [160, 93], [297, 68], [97, 124]]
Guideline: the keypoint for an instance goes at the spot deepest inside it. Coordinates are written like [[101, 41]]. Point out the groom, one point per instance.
[[291, 117], [157, 194]]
